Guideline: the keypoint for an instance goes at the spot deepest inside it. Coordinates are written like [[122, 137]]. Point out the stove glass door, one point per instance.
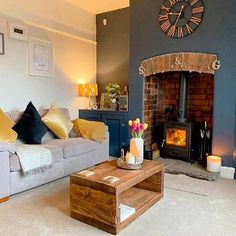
[[176, 137]]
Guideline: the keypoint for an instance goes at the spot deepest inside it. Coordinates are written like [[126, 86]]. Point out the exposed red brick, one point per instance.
[[163, 90]]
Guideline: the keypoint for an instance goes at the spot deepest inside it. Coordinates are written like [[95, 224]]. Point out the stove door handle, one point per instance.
[[163, 143]]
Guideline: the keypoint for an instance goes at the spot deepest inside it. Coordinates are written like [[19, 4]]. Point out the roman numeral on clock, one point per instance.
[[165, 8], [172, 2], [195, 20], [166, 25], [189, 29], [171, 32], [163, 17], [193, 2], [180, 32], [198, 10]]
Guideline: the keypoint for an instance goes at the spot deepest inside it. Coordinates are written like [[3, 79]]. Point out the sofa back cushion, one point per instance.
[[29, 127], [16, 115]]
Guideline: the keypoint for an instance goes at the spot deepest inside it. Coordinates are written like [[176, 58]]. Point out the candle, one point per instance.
[[130, 158], [213, 164]]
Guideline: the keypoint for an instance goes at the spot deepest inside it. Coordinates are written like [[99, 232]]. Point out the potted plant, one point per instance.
[[113, 92]]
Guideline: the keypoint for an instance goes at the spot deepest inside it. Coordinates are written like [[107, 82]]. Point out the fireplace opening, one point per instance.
[[177, 106], [178, 102]]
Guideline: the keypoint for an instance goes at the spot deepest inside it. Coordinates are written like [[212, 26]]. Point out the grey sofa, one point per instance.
[[69, 156]]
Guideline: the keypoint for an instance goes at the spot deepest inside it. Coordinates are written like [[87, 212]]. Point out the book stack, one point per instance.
[[125, 212]]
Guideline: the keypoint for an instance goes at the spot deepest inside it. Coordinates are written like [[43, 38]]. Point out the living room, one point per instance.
[[169, 81]]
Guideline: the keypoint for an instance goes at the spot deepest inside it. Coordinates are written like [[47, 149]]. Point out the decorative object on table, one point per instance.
[[136, 142], [113, 92], [104, 102], [123, 99], [110, 179], [86, 173], [88, 90], [94, 107], [121, 163], [134, 158], [180, 18], [2, 46], [213, 164], [41, 58], [205, 144], [17, 31]]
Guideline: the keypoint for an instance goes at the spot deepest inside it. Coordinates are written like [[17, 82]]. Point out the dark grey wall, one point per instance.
[[216, 34], [113, 48]]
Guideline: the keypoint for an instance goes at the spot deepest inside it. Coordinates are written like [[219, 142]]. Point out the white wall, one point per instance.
[[74, 59]]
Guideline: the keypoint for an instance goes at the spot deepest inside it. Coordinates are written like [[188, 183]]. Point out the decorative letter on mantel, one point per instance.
[[183, 61]]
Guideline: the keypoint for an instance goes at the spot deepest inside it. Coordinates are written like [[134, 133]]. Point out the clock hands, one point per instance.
[[179, 14]]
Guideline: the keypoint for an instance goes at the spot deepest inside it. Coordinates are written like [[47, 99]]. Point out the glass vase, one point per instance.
[[136, 148]]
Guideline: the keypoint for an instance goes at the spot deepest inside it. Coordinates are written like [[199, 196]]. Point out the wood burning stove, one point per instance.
[[177, 140]]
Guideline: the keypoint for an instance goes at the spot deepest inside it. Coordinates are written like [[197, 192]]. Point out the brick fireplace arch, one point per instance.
[[163, 75], [183, 61]]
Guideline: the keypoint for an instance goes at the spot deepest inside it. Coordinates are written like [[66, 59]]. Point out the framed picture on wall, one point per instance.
[[41, 58], [2, 46]]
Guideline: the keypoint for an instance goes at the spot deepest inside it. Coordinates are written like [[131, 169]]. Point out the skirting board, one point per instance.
[[227, 172]]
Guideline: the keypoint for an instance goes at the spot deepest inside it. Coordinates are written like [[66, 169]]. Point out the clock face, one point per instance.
[[180, 18]]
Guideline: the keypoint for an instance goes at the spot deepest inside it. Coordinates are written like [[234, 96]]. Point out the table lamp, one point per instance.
[[88, 90]]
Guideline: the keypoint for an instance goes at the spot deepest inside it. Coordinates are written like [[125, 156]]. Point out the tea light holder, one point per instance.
[[213, 164]]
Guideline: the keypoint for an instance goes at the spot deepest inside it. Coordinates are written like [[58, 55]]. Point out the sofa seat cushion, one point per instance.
[[56, 152], [74, 146]]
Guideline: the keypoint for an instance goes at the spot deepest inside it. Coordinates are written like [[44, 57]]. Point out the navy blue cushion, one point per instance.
[[30, 128]]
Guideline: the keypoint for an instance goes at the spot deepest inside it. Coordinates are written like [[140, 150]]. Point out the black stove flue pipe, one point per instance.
[[183, 97]]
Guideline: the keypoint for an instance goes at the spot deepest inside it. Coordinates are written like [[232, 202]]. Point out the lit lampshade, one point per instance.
[[87, 90], [94, 90]]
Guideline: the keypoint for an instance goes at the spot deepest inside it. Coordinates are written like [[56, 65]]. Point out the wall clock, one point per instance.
[[180, 18]]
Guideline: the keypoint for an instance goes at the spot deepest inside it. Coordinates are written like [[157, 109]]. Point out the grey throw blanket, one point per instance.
[[34, 158]]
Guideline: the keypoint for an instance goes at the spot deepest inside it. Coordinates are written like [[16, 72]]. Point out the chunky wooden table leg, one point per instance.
[[4, 199]]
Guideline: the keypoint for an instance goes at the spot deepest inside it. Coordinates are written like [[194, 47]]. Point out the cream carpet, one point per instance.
[[190, 207]]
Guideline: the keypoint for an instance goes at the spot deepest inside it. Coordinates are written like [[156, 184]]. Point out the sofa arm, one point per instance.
[[4, 176], [7, 147]]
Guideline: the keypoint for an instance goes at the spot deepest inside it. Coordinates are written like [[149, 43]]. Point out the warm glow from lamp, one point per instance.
[[94, 90], [88, 90]]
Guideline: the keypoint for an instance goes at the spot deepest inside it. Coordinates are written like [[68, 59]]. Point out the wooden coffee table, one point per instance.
[[96, 203]]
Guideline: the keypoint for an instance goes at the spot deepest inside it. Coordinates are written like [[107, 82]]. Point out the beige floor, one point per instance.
[[190, 207]]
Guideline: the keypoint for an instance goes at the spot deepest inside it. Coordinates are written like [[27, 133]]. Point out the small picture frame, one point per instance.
[[2, 46], [17, 31], [123, 103], [104, 105]]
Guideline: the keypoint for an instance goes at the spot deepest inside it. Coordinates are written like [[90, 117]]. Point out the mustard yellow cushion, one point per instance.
[[7, 134], [57, 122], [90, 129], [5, 120]]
